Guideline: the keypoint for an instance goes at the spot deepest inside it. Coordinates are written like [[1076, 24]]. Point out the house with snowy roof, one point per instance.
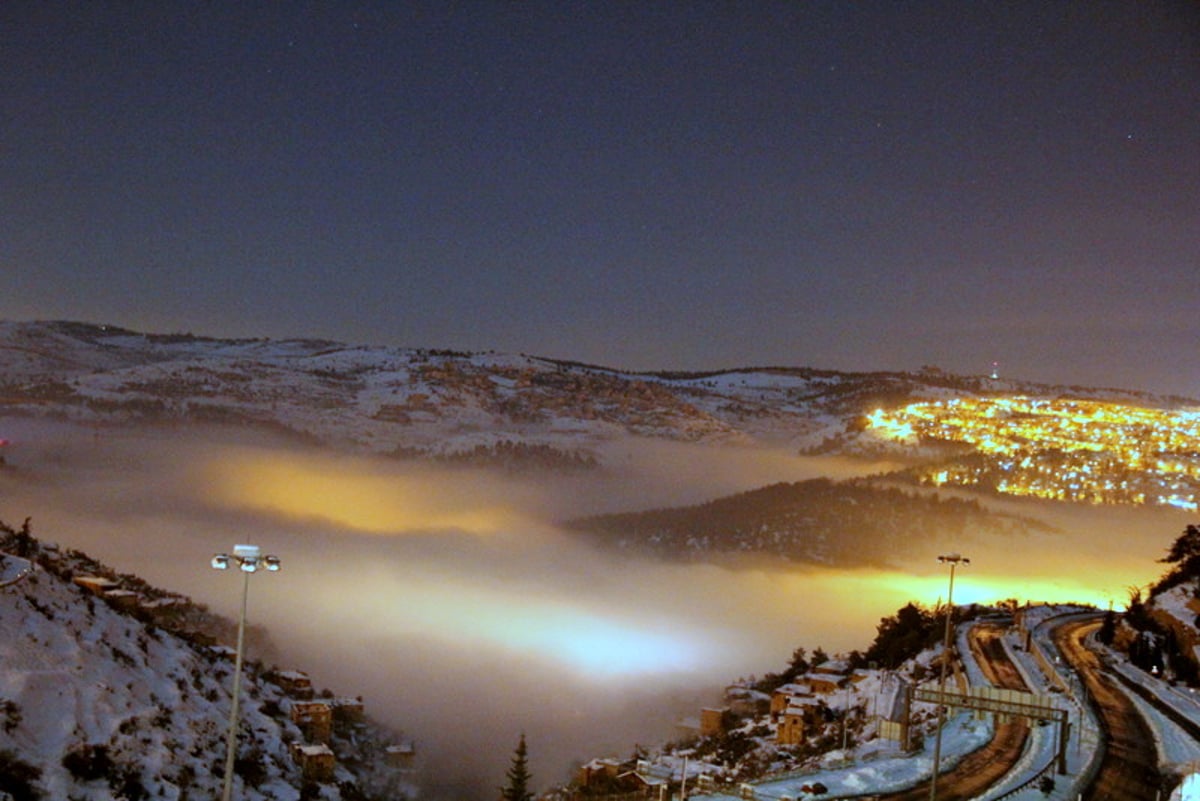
[[802, 714], [294, 683], [124, 600], [746, 701], [832, 667], [315, 719], [348, 710], [317, 762], [824, 682], [783, 694], [599, 773], [96, 585], [401, 755]]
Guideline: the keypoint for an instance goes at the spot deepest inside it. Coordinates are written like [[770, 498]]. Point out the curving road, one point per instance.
[[993, 659], [981, 769], [1129, 770]]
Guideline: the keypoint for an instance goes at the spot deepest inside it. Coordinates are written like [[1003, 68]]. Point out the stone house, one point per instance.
[[599, 773], [832, 667], [315, 719], [294, 683], [123, 600], [96, 585], [783, 694], [317, 762], [712, 721], [348, 711], [745, 701], [401, 755], [824, 683], [801, 716]]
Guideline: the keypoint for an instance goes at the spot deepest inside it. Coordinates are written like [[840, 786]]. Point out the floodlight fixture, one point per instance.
[[247, 551], [249, 559]]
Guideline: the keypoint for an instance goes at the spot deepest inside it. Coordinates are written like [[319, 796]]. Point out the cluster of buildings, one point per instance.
[[316, 718], [799, 708], [1059, 449], [315, 721], [796, 711]]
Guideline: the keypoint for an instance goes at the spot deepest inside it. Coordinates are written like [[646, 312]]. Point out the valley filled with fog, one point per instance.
[[453, 603]]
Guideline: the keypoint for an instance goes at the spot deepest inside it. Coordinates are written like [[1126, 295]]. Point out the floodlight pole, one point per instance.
[[234, 707], [954, 560], [249, 558]]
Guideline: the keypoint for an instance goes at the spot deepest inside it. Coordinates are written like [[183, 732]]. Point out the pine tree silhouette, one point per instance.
[[518, 776]]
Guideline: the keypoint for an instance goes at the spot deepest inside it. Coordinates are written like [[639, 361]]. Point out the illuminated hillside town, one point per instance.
[[1069, 450]]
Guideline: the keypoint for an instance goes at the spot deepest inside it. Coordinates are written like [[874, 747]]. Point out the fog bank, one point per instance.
[[452, 603]]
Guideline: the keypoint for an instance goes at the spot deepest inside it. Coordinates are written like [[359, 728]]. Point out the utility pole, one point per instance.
[[846, 715]]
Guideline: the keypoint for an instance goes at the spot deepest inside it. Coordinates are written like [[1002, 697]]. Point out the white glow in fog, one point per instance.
[[600, 647], [524, 623]]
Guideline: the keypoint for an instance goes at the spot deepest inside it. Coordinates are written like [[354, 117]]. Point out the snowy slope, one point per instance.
[[104, 705], [388, 399]]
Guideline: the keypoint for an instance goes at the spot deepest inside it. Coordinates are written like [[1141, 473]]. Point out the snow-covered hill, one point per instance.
[[101, 700], [426, 401]]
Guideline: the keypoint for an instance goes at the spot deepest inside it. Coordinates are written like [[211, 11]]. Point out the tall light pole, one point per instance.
[[249, 558], [954, 560]]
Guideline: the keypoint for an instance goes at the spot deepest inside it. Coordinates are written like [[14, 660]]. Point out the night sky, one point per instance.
[[856, 186]]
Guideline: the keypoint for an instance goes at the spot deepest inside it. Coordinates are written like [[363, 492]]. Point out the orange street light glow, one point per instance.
[[303, 487]]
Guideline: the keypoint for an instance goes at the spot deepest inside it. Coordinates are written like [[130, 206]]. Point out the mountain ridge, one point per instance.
[[416, 401], [851, 523]]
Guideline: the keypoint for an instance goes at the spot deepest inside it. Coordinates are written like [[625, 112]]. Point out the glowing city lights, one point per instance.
[[1061, 449]]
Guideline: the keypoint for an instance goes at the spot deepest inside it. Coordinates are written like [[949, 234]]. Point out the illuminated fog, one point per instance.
[[452, 603]]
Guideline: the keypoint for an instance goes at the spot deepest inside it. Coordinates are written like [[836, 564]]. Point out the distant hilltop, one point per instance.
[[416, 402]]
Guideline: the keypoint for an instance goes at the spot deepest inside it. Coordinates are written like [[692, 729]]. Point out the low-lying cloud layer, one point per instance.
[[463, 615]]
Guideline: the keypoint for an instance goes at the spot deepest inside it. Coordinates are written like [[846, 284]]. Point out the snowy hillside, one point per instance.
[[100, 700], [414, 401]]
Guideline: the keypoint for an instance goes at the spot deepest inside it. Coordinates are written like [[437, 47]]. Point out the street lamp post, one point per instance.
[[954, 560], [249, 558]]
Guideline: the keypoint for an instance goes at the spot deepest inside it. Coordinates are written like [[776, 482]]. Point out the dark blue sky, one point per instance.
[[869, 185]]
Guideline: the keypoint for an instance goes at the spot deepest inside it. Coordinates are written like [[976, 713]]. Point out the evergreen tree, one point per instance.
[[25, 541], [1185, 555], [517, 788], [1108, 630], [797, 667], [903, 635], [1185, 547]]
